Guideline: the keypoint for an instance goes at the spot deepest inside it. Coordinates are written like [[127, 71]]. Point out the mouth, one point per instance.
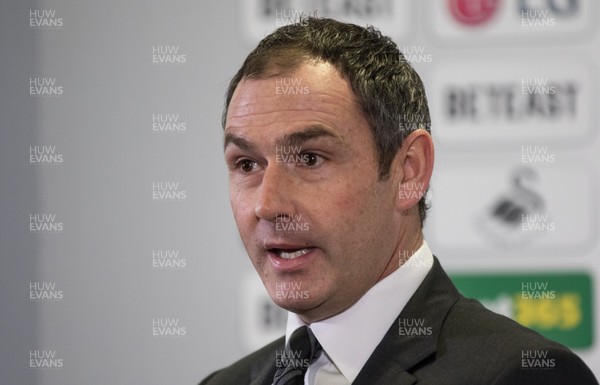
[[290, 253], [290, 257]]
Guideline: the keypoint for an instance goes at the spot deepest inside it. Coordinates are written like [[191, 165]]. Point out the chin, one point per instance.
[[296, 305]]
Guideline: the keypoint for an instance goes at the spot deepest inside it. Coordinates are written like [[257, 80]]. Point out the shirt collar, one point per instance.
[[350, 337]]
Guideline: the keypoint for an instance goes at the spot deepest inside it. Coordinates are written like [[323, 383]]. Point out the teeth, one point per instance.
[[295, 254]]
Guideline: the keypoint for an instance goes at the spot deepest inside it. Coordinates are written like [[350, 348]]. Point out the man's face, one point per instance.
[[318, 224]]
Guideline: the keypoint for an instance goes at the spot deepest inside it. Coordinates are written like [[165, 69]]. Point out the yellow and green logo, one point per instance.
[[558, 306]]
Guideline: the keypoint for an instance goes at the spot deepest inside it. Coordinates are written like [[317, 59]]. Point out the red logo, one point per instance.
[[473, 12]]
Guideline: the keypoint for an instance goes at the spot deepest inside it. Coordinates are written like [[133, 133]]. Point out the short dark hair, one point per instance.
[[388, 89]]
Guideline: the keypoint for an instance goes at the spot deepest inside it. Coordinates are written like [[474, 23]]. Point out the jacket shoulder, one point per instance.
[[481, 323], [502, 351], [247, 368]]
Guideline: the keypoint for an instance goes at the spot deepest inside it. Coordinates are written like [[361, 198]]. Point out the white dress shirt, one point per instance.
[[349, 338]]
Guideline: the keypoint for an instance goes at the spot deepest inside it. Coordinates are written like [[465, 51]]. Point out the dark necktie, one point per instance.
[[301, 351]]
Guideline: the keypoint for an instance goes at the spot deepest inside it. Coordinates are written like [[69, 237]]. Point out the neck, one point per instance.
[[407, 246]]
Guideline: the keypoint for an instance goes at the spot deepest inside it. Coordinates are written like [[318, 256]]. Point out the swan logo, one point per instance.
[[518, 216]]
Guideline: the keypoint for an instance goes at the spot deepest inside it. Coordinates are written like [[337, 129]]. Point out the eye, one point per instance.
[[246, 165], [310, 159]]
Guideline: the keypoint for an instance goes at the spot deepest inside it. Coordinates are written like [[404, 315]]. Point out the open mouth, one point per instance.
[[291, 253]]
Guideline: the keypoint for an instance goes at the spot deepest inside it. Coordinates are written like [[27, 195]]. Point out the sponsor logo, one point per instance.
[[536, 290], [537, 18], [511, 20], [516, 217], [508, 102], [501, 207], [559, 306], [537, 85], [518, 105], [260, 17], [545, 12], [537, 155], [473, 12]]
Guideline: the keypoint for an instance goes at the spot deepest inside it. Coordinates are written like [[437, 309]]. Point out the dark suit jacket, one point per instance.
[[465, 344]]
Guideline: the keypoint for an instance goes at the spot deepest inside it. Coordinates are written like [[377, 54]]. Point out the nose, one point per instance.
[[275, 194]]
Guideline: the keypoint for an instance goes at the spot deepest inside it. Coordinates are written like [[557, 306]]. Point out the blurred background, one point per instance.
[[120, 261]]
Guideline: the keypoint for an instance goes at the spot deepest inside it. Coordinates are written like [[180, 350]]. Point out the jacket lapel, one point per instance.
[[413, 336], [264, 377], [383, 369], [264, 368]]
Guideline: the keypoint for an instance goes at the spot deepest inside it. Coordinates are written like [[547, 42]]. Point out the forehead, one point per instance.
[[314, 93]]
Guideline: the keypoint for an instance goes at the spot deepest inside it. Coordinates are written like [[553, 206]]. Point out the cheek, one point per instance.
[[240, 208], [361, 215], [353, 198], [343, 216]]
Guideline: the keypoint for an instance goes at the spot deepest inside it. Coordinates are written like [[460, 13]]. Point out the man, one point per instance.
[[329, 154]]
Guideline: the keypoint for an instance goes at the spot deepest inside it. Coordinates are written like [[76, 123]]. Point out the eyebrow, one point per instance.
[[311, 132], [240, 142], [294, 139]]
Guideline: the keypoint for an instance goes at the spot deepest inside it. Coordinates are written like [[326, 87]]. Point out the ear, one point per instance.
[[413, 166]]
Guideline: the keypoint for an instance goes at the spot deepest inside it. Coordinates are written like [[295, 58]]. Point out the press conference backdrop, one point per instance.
[[120, 261]]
